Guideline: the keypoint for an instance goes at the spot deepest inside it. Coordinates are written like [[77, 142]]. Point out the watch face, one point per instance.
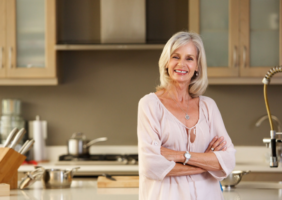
[[187, 155]]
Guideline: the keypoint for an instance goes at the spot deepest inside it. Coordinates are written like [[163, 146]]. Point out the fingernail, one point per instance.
[[216, 137]]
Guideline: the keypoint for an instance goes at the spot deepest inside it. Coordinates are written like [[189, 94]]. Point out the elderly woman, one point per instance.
[[184, 149]]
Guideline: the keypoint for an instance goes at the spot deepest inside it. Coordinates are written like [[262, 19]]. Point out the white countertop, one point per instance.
[[88, 169], [87, 189]]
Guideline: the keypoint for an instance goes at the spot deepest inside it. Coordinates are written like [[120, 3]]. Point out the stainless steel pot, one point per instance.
[[78, 145], [57, 178], [233, 179]]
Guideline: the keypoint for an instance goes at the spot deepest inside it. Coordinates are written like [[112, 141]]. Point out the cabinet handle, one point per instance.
[[235, 57], [244, 56], [10, 57], [1, 57]]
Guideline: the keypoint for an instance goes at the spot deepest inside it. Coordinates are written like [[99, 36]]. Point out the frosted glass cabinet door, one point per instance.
[[30, 33], [217, 23], [214, 29], [31, 38], [264, 33]]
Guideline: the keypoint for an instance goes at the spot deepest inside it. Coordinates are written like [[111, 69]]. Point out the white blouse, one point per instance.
[[159, 127]]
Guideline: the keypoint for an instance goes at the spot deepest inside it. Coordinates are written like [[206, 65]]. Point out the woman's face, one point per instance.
[[183, 63]]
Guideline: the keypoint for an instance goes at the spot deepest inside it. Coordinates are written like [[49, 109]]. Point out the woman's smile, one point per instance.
[[181, 72]]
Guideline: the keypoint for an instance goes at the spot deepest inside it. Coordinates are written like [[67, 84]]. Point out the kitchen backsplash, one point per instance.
[[100, 90]]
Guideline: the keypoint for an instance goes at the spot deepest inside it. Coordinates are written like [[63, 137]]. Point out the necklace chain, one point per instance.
[[186, 115]]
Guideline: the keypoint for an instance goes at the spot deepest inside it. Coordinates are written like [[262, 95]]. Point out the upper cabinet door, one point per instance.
[[31, 39], [217, 22], [2, 37], [260, 36]]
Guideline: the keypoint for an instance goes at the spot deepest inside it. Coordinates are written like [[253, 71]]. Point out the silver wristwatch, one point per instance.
[[187, 156]]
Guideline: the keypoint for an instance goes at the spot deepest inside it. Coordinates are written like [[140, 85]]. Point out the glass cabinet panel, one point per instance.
[[264, 33], [214, 30], [30, 33]]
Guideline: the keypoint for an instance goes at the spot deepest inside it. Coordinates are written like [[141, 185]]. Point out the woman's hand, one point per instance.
[[218, 144], [172, 155]]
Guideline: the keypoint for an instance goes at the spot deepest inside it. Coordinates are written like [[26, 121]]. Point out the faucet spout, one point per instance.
[[266, 81]]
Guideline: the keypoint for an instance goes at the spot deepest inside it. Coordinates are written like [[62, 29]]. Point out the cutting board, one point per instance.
[[121, 182]]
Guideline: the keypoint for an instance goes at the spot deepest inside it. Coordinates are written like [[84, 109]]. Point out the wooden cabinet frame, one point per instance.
[[50, 54], [245, 69], [232, 70], [239, 70], [9, 73]]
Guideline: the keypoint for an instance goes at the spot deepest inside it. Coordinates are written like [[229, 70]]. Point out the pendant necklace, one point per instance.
[[186, 115]]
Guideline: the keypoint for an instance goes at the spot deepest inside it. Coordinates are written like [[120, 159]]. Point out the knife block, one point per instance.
[[10, 161]]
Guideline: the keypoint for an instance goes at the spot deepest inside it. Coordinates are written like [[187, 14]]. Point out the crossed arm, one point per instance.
[[199, 162]]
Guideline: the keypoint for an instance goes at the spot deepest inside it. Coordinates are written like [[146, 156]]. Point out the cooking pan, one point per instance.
[[79, 145]]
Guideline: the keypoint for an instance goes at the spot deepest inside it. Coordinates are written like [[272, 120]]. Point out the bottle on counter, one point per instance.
[[10, 119]]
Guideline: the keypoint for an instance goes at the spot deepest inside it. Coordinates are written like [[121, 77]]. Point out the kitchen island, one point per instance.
[[86, 189]]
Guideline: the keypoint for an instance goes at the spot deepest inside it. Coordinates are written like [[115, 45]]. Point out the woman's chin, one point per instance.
[[181, 81]]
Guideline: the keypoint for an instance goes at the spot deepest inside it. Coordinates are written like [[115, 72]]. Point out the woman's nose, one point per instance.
[[180, 64]]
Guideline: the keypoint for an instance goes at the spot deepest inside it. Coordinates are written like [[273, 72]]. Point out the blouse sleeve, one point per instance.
[[226, 158], [151, 163]]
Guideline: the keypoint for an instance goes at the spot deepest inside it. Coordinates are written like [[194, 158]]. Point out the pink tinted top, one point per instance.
[[158, 127]]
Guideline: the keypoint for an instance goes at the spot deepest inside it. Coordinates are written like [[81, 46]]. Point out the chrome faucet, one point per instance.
[[266, 81], [279, 133]]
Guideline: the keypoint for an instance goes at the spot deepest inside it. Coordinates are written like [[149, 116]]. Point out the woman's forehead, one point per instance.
[[188, 48]]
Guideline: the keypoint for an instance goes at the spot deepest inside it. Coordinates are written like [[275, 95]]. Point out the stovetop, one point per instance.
[[99, 159]]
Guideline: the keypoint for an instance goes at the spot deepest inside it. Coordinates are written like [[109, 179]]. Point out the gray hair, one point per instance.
[[199, 83]]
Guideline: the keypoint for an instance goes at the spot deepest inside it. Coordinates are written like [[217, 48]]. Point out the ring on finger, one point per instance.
[[212, 149]]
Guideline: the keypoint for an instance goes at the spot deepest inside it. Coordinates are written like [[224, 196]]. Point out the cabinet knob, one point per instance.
[[244, 56], [235, 57], [1, 57], [10, 57]]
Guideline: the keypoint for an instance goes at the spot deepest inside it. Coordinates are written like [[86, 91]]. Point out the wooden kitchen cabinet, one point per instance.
[[242, 38], [80, 26], [27, 42]]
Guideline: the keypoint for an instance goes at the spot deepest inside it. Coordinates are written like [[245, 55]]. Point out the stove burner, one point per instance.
[[120, 158]]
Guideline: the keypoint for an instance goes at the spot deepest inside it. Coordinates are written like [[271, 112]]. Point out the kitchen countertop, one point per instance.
[[88, 169], [87, 189]]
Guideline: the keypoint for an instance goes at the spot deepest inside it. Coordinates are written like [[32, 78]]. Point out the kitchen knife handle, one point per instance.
[[24, 145], [27, 147], [17, 138], [10, 137]]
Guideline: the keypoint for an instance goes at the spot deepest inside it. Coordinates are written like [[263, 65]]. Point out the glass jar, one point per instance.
[[10, 119]]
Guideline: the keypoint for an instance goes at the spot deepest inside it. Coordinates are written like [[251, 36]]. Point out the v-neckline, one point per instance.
[[176, 117]]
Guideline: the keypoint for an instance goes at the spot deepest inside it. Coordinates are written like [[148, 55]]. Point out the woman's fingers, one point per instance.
[[220, 146], [217, 144], [211, 143]]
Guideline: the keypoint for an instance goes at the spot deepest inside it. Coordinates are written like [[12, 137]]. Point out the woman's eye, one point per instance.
[[175, 57], [189, 58]]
